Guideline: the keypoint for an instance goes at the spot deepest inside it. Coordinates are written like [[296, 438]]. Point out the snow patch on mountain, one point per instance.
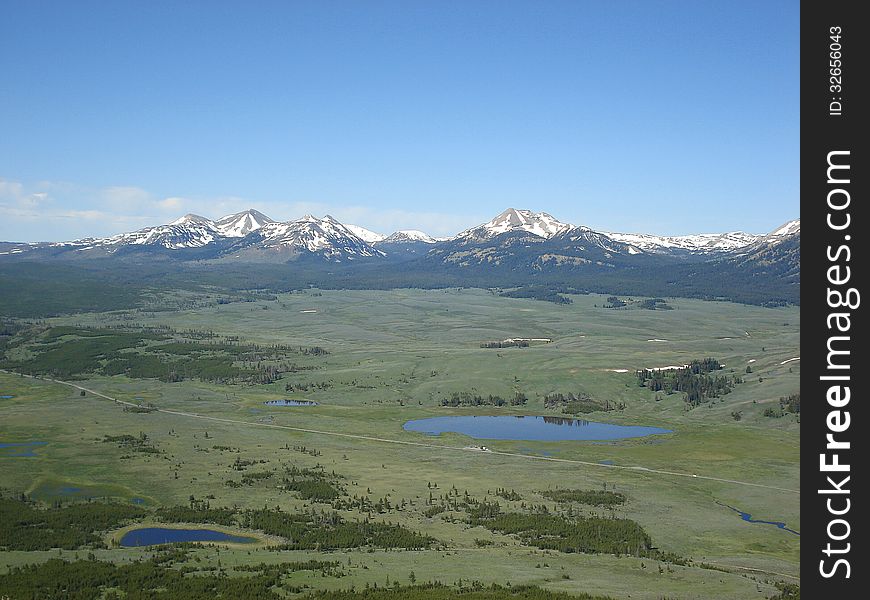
[[790, 228], [702, 242], [366, 235]]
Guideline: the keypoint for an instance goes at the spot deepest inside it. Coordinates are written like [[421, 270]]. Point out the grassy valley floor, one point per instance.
[[392, 356]]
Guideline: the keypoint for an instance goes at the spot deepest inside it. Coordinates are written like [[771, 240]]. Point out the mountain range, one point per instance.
[[252, 235], [517, 247]]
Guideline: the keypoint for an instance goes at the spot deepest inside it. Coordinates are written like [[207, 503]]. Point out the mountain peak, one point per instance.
[[409, 235], [190, 218], [326, 236], [790, 228], [242, 223], [366, 235], [541, 224]]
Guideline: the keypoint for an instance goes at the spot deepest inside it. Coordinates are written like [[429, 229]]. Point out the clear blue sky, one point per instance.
[[666, 117]]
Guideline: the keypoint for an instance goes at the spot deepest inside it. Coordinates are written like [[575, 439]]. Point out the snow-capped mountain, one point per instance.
[[366, 235], [704, 243], [517, 248], [189, 231], [790, 228], [406, 244], [581, 235], [409, 235], [326, 237], [540, 224], [518, 237], [246, 235], [698, 243], [241, 224]]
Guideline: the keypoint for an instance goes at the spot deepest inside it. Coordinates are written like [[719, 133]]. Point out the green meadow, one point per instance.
[[392, 356]]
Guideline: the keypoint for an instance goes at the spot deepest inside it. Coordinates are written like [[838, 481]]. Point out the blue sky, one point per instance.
[[666, 117]]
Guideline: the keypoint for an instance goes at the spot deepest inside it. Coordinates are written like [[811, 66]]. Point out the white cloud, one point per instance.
[[14, 193], [172, 203], [125, 197], [10, 189]]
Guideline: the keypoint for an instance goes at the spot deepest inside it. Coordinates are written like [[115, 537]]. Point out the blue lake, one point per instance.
[[6, 397], [150, 536], [748, 518], [290, 403], [20, 448], [529, 428]]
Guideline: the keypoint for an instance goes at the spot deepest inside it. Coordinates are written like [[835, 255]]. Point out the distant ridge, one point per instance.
[[251, 235], [515, 248]]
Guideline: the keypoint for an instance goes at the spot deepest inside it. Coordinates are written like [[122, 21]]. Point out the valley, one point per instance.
[[169, 410]]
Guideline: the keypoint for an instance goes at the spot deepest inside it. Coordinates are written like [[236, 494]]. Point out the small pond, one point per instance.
[[290, 403], [17, 449], [150, 536], [52, 490], [529, 428], [6, 397]]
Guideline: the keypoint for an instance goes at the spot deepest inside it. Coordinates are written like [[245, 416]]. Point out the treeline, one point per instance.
[[556, 532], [579, 403], [305, 387], [138, 443], [508, 494], [505, 344], [161, 578], [791, 403], [35, 289], [329, 531], [787, 404], [537, 292], [787, 591], [145, 580], [695, 380], [312, 483], [590, 497], [74, 352], [198, 511], [24, 525], [364, 504], [655, 304], [646, 304], [73, 358], [474, 399], [311, 530]]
